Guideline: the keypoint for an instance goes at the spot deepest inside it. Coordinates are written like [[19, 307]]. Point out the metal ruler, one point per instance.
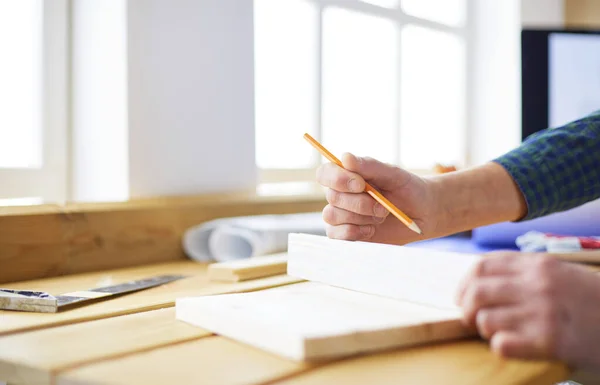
[[42, 302]]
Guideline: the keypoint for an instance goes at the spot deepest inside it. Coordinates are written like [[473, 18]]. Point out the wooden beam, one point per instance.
[[582, 14], [51, 240]]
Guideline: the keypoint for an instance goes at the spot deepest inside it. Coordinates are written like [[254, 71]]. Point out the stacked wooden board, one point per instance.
[[363, 297], [123, 342]]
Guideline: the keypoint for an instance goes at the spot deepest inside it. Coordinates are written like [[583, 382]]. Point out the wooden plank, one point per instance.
[[248, 268], [313, 321], [216, 360], [35, 357], [52, 240], [418, 275], [459, 363], [151, 299], [211, 360]]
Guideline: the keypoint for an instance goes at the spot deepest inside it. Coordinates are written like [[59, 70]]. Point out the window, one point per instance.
[[33, 101], [380, 78]]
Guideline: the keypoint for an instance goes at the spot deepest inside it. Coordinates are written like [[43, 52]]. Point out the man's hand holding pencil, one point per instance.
[[362, 192]]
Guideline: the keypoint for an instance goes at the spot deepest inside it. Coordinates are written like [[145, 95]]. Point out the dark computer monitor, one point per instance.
[[560, 77]]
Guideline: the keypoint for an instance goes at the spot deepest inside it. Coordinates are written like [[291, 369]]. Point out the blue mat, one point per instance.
[[459, 244], [580, 221]]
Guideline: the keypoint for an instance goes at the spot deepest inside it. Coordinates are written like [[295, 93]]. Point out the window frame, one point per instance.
[[52, 177], [401, 19]]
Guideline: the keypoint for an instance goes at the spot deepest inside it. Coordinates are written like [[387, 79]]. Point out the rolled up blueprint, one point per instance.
[[250, 236], [581, 221]]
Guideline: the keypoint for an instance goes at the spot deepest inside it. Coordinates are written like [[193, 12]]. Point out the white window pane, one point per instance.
[[451, 12], [432, 95], [20, 83], [383, 3], [285, 81], [359, 84]]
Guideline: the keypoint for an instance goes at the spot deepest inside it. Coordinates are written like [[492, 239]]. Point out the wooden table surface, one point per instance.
[[136, 339]]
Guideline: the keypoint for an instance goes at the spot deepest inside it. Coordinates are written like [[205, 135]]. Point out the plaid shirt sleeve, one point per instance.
[[558, 168]]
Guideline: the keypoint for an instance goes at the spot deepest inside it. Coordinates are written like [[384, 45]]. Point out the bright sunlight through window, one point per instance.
[[20, 83], [379, 78]]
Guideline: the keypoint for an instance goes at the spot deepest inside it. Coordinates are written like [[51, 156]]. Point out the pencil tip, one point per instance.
[[414, 227]]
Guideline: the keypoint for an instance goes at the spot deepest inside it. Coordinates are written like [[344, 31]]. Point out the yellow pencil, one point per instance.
[[368, 188]]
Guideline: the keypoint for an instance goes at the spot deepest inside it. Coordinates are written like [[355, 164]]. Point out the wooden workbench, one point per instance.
[[135, 339]]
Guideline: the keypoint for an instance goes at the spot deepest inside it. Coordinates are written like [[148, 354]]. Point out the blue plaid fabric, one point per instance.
[[557, 169]]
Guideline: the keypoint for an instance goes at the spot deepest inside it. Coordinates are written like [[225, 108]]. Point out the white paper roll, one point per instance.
[[250, 236]]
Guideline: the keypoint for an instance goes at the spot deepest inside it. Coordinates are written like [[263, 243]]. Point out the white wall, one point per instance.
[[191, 96], [495, 116], [542, 13], [99, 101], [163, 98], [496, 85]]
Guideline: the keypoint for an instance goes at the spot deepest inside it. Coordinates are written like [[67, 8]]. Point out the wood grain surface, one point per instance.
[[35, 357], [248, 268], [153, 348], [51, 240], [217, 360], [452, 363], [582, 14], [312, 321], [150, 299], [212, 360]]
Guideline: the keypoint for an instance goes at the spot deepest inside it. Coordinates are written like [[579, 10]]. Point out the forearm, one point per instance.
[[554, 170], [476, 197]]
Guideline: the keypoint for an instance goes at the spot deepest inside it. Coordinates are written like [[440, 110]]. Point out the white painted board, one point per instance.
[[424, 276]]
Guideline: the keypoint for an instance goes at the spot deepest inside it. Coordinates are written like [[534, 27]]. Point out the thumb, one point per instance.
[[382, 175]]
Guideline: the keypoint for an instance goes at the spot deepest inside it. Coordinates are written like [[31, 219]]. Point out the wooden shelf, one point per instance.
[[54, 240]]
